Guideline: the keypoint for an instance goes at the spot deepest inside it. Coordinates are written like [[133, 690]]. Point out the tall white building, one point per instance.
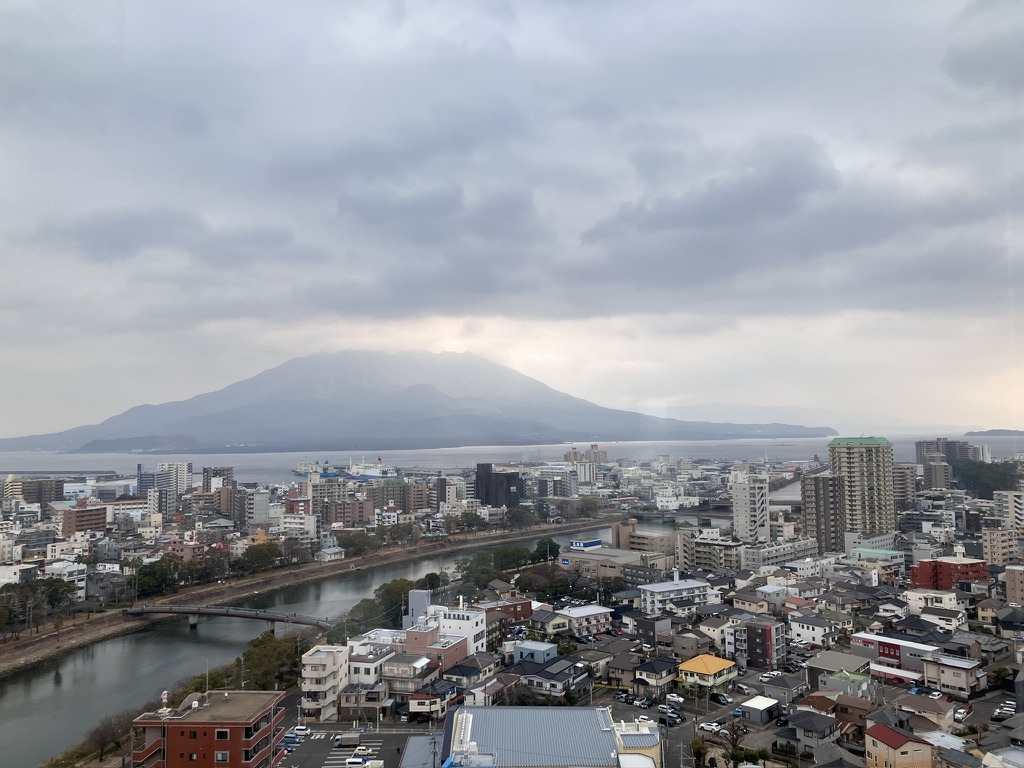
[[750, 521], [1009, 505], [182, 478], [865, 466]]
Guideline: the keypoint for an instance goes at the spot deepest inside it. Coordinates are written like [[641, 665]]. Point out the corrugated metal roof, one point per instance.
[[529, 737]]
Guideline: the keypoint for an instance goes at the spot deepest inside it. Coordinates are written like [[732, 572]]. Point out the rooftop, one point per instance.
[[706, 664], [217, 707]]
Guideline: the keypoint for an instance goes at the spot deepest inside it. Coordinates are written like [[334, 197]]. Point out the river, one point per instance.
[[52, 706]]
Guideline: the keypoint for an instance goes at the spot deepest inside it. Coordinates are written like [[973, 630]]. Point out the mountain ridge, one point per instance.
[[361, 400]]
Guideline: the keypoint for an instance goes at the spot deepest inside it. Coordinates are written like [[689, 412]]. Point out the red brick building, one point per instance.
[[947, 572], [221, 728]]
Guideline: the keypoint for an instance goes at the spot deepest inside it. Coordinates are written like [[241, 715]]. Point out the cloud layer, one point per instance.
[[648, 205]]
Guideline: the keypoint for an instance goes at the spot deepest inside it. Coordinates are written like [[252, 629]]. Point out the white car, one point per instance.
[[301, 730], [935, 695], [711, 727], [769, 676], [644, 719], [674, 698]]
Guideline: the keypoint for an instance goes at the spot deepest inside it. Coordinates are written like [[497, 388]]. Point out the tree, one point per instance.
[[521, 517], [268, 659], [355, 544], [588, 507], [507, 558], [431, 581], [546, 549], [390, 599], [103, 734], [261, 557], [56, 592], [294, 551]]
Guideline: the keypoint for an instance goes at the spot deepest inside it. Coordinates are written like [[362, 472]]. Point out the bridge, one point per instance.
[[195, 611]]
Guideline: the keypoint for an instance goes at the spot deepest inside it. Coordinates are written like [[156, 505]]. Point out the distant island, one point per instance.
[[996, 433]]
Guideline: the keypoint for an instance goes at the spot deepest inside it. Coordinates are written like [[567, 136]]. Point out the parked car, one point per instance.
[[643, 719], [301, 730], [782, 721], [674, 698], [742, 728], [665, 709], [769, 676], [709, 727], [721, 698], [738, 712], [642, 703], [962, 713], [668, 721], [999, 715], [741, 688], [935, 695]]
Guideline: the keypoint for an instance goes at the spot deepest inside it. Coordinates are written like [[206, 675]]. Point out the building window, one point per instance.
[[220, 757], [191, 734], [222, 734]]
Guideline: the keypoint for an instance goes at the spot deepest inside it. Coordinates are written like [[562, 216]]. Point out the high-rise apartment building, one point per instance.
[[904, 491], [1014, 575], [181, 474], [952, 450], [749, 505], [1009, 506], [999, 546], [937, 473], [865, 465], [821, 498], [218, 477]]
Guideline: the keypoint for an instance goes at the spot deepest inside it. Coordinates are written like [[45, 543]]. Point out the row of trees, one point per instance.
[[26, 606], [981, 478]]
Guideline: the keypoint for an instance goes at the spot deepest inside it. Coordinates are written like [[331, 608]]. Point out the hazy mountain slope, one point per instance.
[[373, 399]]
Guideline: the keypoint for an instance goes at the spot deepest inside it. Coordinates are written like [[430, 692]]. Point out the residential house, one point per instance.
[[751, 601], [621, 670], [887, 747], [596, 661], [714, 627], [949, 620], [434, 699], [549, 623], [490, 692], [708, 672], [786, 689], [811, 629], [472, 670], [807, 731], [654, 678], [846, 683], [554, 678], [953, 675], [686, 643], [926, 713], [987, 610]]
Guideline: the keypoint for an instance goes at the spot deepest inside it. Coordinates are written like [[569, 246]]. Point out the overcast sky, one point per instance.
[[649, 205]]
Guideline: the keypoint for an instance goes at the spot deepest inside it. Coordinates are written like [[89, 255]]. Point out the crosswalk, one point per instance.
[[368, 749]]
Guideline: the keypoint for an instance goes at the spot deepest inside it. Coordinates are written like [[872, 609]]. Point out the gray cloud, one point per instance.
[[198, 166], [125, 234]]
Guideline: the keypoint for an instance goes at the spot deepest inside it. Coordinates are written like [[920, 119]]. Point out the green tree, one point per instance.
[[982, 479], [431, 581], [355, 544], [472, 521], [521, 517], [391, 601], [546, 549], [507, 558], [294, 552], [268, 660], [260, 557], [587, 507], [56, 592]]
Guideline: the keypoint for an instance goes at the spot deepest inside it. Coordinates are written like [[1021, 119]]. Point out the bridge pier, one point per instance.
[[193, 621], [271, 624]]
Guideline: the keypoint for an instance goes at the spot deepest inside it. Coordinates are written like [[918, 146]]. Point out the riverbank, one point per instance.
[[82, 632]]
